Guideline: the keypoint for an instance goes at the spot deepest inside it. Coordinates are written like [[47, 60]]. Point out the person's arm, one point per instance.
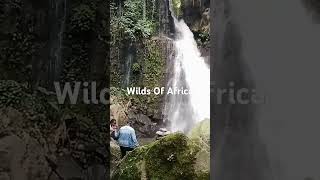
[[134, 138]]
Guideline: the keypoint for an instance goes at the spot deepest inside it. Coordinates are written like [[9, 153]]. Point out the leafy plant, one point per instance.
[[131, 21], [83, 17], [136, 67]]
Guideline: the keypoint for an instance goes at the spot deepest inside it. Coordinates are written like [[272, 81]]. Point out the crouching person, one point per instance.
[[126, 138]]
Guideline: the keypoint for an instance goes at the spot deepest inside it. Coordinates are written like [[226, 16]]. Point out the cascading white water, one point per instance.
[[189, 71], [58, 53], [128, 65]]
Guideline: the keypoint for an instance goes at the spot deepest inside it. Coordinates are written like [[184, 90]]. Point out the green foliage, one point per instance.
[[202, 131], [130, 21], [131, 168], [17, 54], [200, 135], [177, 7], [75, 68], [115, 75], [19, 42], [136, 67], [35, 107], [148, 71], [172, 157], [120, 93], [153, 62], [82, 18], [87, 22], [205, 175], [11, 93], [133, 21]]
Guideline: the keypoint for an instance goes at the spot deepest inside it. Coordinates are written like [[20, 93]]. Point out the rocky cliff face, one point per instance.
[[196, 13], [145, 64]]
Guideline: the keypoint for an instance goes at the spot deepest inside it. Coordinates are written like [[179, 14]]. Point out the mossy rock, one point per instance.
[[170, 158], [200, 134], [130, 166], [201, 130]]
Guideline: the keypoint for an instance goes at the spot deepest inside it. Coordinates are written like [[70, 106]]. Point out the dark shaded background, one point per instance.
[[273, 45]]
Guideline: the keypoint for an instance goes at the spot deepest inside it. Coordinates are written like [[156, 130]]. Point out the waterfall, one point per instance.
[[188, 70], [129, 58], [128, 65], [58, 53], [58, 20]]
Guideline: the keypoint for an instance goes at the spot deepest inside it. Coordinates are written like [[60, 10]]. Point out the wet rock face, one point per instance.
[[143, 125], [196, 14]]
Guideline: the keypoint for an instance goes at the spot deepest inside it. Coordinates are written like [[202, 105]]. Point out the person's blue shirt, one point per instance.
[[126, 137]]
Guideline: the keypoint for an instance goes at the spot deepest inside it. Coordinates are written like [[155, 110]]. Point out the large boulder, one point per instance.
[[22, 158], [172, 157]]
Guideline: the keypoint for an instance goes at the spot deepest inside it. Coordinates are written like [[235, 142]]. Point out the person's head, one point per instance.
[[113, 122]]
